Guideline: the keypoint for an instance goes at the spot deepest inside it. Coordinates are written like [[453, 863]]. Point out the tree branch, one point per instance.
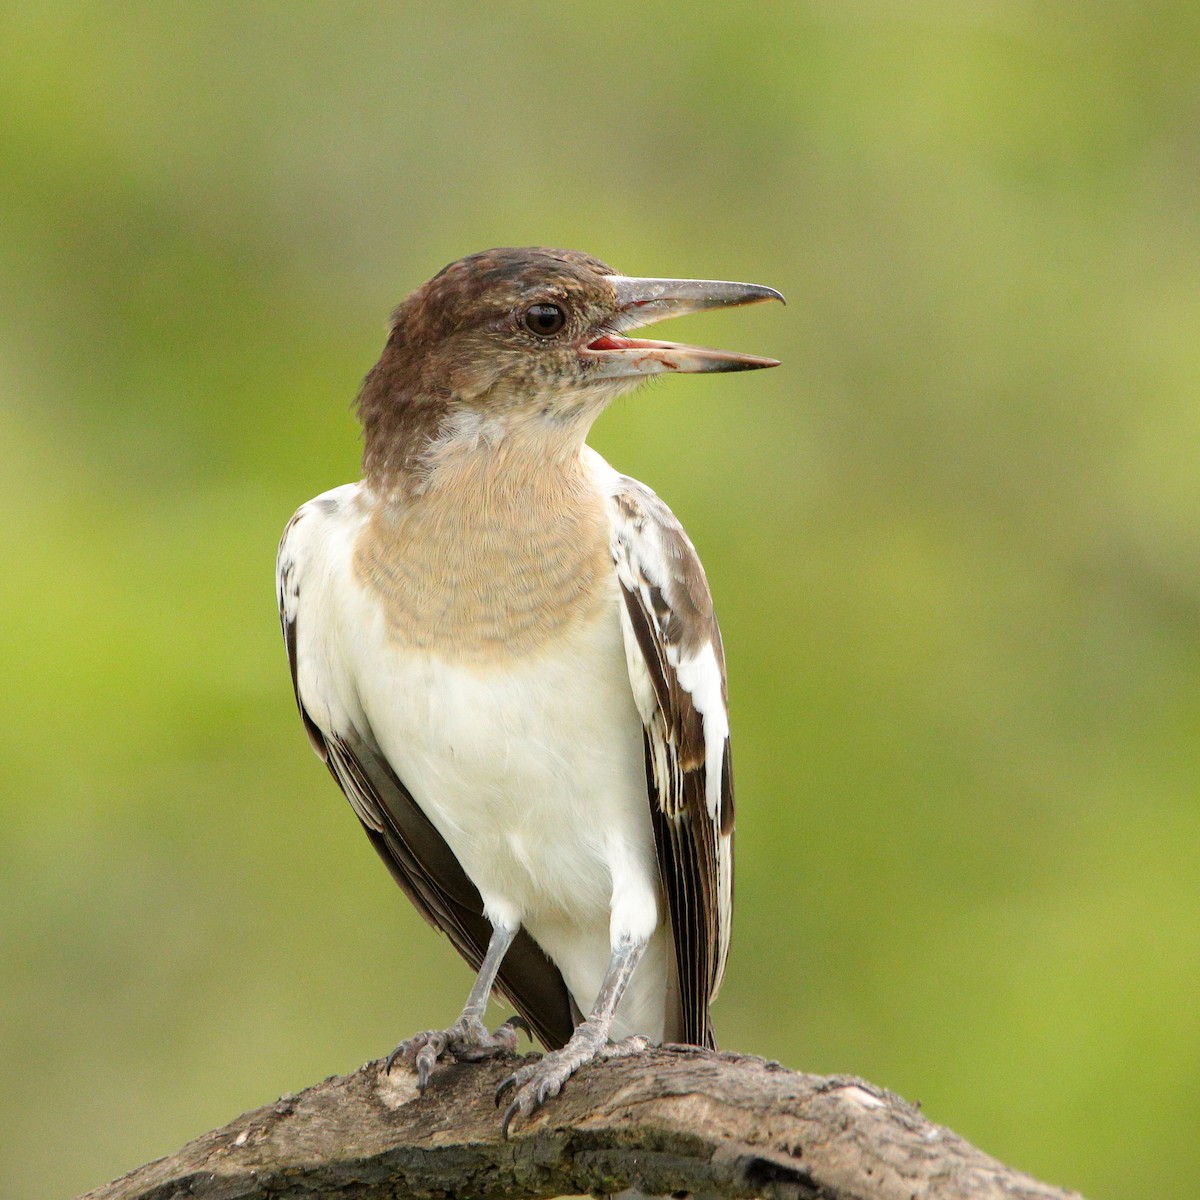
[[671, 1120]]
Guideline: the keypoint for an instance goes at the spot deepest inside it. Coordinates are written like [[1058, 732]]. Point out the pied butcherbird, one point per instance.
[[506, 654]]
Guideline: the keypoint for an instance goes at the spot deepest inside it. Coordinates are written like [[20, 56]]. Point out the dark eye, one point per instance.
[[545, 319]]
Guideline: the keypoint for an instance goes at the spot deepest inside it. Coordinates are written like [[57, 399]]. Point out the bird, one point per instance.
[[505, 652]]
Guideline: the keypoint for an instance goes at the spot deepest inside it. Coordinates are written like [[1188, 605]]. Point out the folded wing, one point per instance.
[[677, 671]]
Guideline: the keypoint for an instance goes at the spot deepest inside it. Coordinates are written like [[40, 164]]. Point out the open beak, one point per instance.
[[644, 301]]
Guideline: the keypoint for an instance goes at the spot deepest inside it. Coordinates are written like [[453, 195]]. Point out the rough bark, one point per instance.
[[672, 1120]]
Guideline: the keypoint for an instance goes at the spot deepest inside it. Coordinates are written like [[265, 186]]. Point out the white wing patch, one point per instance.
[[702, 677]]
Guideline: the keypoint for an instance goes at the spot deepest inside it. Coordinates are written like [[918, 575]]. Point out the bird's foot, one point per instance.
[[536, 1082], [468, 1039]]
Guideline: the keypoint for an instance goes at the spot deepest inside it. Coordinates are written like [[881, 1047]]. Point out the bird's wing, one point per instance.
[[312, 565], [677, 671]]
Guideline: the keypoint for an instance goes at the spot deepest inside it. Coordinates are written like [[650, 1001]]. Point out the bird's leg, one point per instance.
[[468, 1038], [537, 1082]]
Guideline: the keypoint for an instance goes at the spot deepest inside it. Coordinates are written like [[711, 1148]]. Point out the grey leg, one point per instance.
[[481, 990], [537, 1082], [468, 1038]]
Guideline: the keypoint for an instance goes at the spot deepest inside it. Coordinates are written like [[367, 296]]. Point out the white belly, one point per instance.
[[533, 771]]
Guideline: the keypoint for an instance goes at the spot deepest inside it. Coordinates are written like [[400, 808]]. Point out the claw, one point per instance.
[[516, 1021], [509, 1113], [506, 1085], [426, 1060]]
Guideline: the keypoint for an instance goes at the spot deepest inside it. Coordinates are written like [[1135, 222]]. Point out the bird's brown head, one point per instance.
[[527, 335]]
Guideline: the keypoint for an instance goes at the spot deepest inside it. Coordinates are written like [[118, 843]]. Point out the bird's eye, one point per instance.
[[545, 319]]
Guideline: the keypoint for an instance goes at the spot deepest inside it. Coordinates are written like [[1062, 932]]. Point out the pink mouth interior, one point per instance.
[[610, 341]]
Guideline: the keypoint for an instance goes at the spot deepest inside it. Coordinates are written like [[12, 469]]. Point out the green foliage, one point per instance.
[[955, 539]]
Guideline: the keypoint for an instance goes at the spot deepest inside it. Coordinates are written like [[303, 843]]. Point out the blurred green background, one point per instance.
[[954, 540]]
